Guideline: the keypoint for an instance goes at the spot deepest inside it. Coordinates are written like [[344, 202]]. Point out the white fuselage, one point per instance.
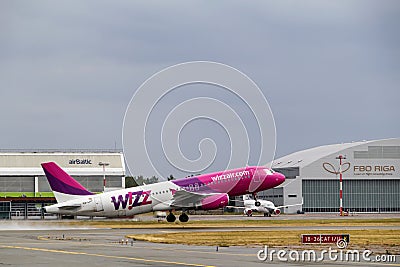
[[120, 203], [266, 207]]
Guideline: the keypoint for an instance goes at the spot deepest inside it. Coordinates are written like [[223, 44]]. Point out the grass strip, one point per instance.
[[275, 238], [129, 224]]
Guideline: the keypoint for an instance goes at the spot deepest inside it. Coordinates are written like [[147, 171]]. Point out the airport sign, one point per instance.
[[324, 238]]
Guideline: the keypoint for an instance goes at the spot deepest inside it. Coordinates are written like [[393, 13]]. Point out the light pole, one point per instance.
[[104, 164], [340, 158]]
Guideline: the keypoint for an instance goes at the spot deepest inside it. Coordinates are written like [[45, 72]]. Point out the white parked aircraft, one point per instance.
[[206, 192], [263, 206]]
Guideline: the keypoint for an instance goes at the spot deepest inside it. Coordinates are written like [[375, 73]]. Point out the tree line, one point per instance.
[[132, 181]]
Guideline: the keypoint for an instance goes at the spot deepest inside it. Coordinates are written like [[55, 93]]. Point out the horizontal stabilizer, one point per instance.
[[70, 207]]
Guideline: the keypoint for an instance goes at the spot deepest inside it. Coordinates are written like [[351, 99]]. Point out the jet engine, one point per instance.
[[248, 212], [214, 202]]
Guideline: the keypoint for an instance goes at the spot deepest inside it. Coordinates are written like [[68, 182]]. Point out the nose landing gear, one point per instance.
[[257, 203]]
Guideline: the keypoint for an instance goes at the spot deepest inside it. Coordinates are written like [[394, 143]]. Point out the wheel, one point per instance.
[[248, 212], [171, 217], [257, 203], [183, 217]]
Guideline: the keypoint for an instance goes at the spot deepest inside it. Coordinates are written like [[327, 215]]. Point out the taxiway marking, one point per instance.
[[42, 238], [105, 256]]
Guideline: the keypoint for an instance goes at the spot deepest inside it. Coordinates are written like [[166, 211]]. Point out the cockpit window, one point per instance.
[[268, 171]]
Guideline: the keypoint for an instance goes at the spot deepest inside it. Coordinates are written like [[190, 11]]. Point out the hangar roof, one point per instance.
[[306, 157], [74, 163]]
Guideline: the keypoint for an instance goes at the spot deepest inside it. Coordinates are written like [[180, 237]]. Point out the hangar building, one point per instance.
[[22, 179], [371, 178]]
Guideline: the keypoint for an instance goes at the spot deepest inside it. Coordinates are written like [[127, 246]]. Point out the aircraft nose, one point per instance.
[[280, 178]]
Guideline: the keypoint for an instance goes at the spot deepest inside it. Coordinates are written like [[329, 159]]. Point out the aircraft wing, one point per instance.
[[237, 207], [186, 199], [278, 207]]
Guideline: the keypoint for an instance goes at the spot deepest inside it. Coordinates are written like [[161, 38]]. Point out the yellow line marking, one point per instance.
[[43, 238], [201, 252], [30, 243], [105, 256]]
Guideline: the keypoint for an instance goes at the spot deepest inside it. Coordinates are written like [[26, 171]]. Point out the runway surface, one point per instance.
[[32, 245]]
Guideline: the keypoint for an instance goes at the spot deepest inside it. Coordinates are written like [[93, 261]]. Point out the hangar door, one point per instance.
[[358, 195]]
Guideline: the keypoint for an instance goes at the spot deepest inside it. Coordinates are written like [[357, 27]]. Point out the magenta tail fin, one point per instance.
[[61, 182]]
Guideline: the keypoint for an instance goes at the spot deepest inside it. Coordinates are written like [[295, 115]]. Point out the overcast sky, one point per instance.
[[329, 69]]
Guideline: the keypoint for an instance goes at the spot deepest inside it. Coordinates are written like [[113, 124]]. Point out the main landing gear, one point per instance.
[[171, 217], [256, 203], [182, 218]]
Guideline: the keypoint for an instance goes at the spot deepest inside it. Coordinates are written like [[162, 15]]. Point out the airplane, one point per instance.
[[266, 207], [204, 192]]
